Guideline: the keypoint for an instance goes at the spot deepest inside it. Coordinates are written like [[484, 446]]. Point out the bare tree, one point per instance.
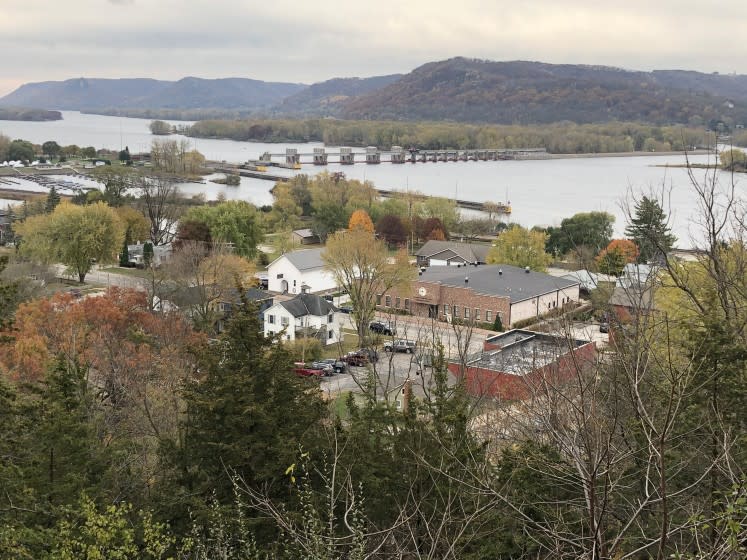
[[160, 203]]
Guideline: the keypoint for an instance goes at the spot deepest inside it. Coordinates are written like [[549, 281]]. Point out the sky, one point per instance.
[[313, 40]]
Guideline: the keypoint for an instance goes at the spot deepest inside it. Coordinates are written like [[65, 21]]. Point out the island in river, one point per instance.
[[24, 114]]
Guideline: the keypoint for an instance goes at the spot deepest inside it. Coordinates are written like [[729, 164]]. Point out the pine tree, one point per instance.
[[649, 230], [53, 199], [148, 253], [124, 255], [246, 416]]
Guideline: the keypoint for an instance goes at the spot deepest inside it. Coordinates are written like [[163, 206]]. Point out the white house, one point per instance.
[[306, 315], [298, 272]]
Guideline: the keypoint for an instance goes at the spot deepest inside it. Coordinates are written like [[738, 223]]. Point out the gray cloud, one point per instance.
[[310, 41]]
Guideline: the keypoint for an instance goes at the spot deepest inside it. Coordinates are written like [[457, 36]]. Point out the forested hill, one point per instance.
[[519, 92], [329, 97], [458, 89], [82, 94]]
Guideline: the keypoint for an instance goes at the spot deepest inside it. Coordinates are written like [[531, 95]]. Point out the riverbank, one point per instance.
[[631, 154]]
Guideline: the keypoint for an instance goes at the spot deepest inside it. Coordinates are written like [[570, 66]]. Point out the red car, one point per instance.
[[302, 371]]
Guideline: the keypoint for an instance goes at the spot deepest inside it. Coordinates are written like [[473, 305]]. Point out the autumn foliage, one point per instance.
[[361, 220], [113, 335], [613, 258]]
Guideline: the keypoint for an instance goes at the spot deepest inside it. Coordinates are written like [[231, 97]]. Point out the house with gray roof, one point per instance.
[[304, 316], [447, 253], [305, 237], [480, 293], [299, 272]]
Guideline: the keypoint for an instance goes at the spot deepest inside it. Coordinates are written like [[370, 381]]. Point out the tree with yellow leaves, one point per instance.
[[521, 247], [76, 236], [361, 220]]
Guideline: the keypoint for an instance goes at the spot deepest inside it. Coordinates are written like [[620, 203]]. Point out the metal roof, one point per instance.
[[498, 280], [304, 259], [470, 252]]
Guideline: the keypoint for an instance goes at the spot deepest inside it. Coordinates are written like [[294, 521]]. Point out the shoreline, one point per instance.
[[699, 152]]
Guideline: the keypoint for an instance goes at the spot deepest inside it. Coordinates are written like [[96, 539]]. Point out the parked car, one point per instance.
[[338, 366], [327, 368], [360, 357], [381, 327], [346, 309], [400, 345], [301, 370]]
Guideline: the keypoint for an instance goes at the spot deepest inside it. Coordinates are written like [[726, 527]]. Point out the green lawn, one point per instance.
[[349, 343]]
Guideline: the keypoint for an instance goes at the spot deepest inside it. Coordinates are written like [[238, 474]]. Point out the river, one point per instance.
[[541, 192]]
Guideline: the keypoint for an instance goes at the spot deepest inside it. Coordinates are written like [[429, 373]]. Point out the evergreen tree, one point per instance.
[[649, 229], [53, 199], [246, 417], [124, 255], [148, 253]]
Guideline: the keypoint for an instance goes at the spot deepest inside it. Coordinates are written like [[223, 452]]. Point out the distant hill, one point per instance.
[[83, 94], [328, 98], [469, 90], [458, 89]]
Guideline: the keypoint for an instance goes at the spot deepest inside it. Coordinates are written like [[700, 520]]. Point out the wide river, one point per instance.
[[541, 192]]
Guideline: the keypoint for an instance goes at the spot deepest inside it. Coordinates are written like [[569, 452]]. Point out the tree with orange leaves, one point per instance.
[[361, 220], [613, 258]]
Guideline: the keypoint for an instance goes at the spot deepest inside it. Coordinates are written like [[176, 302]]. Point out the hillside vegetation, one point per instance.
[[531, 92], [458, 89]]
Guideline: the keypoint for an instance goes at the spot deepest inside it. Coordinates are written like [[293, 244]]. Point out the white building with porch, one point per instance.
[[304, 316], [299, 272]]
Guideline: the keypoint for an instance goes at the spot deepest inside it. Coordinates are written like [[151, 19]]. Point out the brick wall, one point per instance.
[[436, 294], [481, 382]]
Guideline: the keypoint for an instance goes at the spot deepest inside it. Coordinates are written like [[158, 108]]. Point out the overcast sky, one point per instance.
[[312, 40]]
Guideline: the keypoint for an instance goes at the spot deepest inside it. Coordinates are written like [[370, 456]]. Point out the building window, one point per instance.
[[294, 283], [329, 335], [407, 304], [549, 304], [280, 276], [456, 311], [397, 302], [489, 316], [378, 299], [466, 312], [388, 301], [287, 337], [477, 314], [284, 321], [446, 309], [271, 319], [330, 317]]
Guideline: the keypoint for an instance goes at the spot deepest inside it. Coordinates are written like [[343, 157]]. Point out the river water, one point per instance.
[[541, 192]]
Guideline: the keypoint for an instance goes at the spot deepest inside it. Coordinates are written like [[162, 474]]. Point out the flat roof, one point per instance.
[[497, 279], [522, 352]]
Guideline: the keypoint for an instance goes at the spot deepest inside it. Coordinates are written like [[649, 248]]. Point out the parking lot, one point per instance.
[[393, 369]]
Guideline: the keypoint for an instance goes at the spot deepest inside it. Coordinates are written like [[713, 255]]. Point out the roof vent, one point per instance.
[[466, 279], [526, 269], [500, 272]]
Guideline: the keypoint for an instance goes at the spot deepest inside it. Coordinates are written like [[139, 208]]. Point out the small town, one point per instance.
[[381, 285]]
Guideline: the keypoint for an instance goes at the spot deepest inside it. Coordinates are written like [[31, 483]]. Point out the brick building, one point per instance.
[[479, 293], [515, 364]]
